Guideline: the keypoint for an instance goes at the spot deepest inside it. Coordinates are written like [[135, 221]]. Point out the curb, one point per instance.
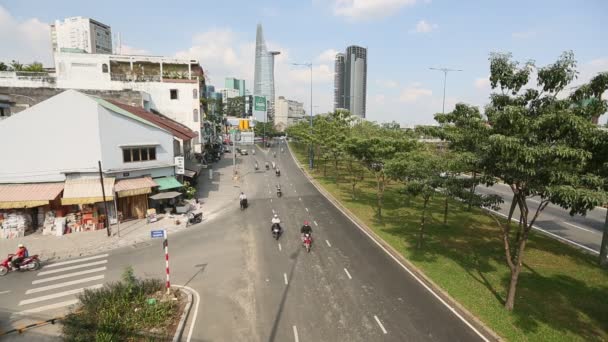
[[182, 321], [453, 304]]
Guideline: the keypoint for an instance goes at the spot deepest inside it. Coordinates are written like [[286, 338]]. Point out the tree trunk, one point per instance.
[[510, 302], [472, 190], [380, 181], [445, 210], [354, 185], [324, 167], [422, 221], [604, 248], [337, 171]]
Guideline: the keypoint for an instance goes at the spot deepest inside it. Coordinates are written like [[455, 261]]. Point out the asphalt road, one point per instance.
[[582, 231], [254, 288]]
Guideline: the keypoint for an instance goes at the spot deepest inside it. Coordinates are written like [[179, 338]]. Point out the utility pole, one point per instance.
[[310, 151], [105, 204], [445, 76]]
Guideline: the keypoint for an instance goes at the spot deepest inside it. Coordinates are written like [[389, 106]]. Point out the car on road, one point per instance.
[[243, 152]]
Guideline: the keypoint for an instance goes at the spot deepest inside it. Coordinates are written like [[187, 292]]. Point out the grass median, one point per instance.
[[562, 294]]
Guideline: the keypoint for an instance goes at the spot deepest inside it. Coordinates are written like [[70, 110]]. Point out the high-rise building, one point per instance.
[[233, 83], [288, 112], [264, 72], [81, 34], [350, 80], [228, 93]]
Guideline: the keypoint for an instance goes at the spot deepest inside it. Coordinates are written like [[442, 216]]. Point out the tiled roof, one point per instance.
[[178, 130]]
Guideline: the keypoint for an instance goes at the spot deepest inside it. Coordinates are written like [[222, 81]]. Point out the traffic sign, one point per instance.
[[157, 233]]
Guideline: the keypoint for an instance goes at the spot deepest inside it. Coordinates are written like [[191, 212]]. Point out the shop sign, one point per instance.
[[155, 234], [179, 165]]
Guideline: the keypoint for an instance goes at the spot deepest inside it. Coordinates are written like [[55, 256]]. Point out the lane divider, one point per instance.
[[348, 274], [380, 324]]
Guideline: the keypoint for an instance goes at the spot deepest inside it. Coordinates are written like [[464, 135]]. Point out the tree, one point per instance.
[[356, 173], [34, 67], [539, 145], [3, 67], [16, 66], [420, 170], [236, 106]]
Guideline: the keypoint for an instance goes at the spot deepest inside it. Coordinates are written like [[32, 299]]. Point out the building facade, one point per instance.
[[83, 34], [264, 72], [288, 112], [171, 86], [350, 81], [228, 93], [233, 83]]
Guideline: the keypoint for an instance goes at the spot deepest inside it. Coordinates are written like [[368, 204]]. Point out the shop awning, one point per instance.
[[189, 174], [14, 196], [166, 183], [134, 186], [165, 195], [86, 190]]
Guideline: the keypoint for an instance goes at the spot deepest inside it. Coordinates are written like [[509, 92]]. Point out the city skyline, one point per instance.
[[400, 87]]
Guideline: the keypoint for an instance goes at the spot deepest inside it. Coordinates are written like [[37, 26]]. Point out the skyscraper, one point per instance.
[[264, 71], [81, 33], [233, 83], [350, 80]]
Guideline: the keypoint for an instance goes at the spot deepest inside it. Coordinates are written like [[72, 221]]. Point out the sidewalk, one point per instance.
[[215, 196]]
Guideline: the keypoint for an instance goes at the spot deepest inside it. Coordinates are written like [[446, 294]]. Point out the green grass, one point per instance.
[[120, 312], [562, 294]]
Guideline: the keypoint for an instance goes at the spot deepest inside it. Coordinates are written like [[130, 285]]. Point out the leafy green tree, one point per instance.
[[539, 145], [34, 67], [16, 66], [420, 170], [3, 67], [236, 106]]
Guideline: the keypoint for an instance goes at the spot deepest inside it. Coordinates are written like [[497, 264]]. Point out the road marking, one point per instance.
[[59, 294], [329, 244], [280, 247], [198, 302], [578, 227], [271, 200], [348, 274], [67, 283], [295, 334], [45, 280], [76, 260], [285, 278], [5, 292], [380, 324], [273, 211], [300, 198], [306, 209], [315, 222], [73, 267], [48, 307], [549, 233]]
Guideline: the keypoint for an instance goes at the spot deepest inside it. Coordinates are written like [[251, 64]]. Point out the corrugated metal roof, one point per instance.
[[116, 109], [134, 183], [28, 195], [87, 189]]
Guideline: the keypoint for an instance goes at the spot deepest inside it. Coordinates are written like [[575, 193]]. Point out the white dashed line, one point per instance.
[[280, 248], [300, 198], [348, 274], [579, 227], [306, 209], [315, 222], [295, 334], [285, 278], [5, 292], [328, 244], [380, 324], [273, 211]]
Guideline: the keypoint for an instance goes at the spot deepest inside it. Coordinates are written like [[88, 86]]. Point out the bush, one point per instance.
[[120, 312]]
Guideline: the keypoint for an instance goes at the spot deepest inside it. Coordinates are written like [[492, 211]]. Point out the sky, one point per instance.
[[404, 39]]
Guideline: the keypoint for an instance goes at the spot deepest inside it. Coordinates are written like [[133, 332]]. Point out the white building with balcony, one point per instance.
[[169, 85]]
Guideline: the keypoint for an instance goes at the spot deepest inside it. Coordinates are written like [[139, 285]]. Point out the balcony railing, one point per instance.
[[134, 78]]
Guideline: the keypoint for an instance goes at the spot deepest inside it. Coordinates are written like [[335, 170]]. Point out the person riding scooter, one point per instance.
[[256, 165], [21, 254], [267, 166], [306, 229], [279, 192], [277, 172], [243, 200]]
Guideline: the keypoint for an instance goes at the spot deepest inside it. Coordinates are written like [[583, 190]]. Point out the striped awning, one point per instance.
[[13, 196], [87, 190], [134, 186]]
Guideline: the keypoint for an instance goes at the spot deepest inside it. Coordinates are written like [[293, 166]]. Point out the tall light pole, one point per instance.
[[310, 152], [445, 76]]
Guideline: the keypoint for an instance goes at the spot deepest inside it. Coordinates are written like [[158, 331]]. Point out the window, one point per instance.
[[194, 94], [104, 68], [136, 154], [173, 94], [195, 115]]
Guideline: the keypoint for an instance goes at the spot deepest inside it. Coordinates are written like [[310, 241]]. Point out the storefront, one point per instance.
[[167, 198], [132, 197], [24, 207], [83, 203]]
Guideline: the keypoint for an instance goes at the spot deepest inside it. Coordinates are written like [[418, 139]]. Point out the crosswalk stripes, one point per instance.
[[60, 290]]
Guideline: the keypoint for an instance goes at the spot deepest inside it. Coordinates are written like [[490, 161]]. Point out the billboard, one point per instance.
[[259, 108]]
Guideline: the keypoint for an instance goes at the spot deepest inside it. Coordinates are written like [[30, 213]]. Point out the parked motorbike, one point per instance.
[[194, 218], [30, 263], [276, 231], [307, 242], [243, 204]]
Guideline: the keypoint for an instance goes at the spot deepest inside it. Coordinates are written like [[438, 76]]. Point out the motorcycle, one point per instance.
[[267, 167], [279, 192], [194, 218], [307, 242], [256, 166], [277, 172], [243, 204], [30, 263], [276, 231]]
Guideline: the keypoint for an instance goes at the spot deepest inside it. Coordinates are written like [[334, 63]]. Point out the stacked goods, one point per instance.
[[49, 223], [16, 224], [40, 217], [59, 225]]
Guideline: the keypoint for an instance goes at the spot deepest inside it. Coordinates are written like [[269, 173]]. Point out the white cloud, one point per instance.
[[524, 34], [482, 83], [327, 56], [424, 27], [387, 83], [413, 92], [369, 9], [130, 50], [24, 40]]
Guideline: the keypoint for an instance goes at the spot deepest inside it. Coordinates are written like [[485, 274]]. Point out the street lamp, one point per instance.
[[310, 152], [445, 76]]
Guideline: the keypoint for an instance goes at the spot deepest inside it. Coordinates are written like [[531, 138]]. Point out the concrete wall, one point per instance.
[[154, 173], [117, 130]]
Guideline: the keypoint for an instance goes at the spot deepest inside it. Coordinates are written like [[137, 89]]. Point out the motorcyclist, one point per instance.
[[274, 165], [278, 188], [275, 219], [243, 199], [276, 222], [21, 254], [278, 172], [306, 229], [256, 165], [267, 166]]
